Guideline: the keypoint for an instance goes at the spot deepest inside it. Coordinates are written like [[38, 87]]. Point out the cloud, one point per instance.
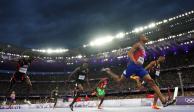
[[71, 23]]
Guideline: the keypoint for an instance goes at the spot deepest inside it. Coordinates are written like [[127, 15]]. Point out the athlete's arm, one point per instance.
[[98, 83], [150, 65], [73, 73], [88, 79], [132, 50]]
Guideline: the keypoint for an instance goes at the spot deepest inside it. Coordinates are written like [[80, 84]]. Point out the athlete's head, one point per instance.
[[143, 38], [85, 65], [13, 92], [161, 59], [105, 80]]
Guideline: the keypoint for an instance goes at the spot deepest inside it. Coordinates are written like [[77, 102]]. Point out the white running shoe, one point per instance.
[[4, 102], [27, 102]]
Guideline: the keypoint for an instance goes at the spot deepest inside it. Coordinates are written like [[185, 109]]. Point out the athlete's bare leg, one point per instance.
[[80, 89], [101, 101], [155, 99], [137, 80], [29, 87], [114, 76], [156, 89]]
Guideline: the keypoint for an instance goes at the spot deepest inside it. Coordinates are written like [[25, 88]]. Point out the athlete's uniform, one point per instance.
[[133, 68], [80, 76], [21, 70], [100, 90]]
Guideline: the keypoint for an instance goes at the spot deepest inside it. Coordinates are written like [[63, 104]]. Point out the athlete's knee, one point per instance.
[[151, 82], [118, 80]]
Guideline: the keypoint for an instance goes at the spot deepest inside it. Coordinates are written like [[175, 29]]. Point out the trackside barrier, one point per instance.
[[188, 100]]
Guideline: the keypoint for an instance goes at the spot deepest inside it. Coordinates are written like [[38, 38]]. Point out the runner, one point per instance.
[[100, 91], [135, 66], [21, 74], [81, 77]]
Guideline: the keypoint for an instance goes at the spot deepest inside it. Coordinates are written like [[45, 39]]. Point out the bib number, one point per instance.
[[23, 70], [81, 77], [140, 60], [157, 73]]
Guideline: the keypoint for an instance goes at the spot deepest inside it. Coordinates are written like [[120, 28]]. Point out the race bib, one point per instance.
[[140, 60], [23, 70], [81, 77], [157, 73]]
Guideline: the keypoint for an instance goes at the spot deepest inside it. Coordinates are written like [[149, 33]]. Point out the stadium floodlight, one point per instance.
[[79, 56], [91, 43], [50, 51], [136, 30], [145, 27], [170, 19], [101, 41], [120, 35], [151, 25], [84, 46], [165, 21], [141, 28]]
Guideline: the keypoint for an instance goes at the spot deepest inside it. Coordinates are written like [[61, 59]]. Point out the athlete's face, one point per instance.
[[162, 59], [85, 65], [144, 39]]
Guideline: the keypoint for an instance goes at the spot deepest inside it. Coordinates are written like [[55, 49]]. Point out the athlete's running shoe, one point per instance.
[[27, 102], [71, 107], [155, 107], [170, 102]]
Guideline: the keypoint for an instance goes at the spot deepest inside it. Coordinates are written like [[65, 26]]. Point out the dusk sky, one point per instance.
[[72, 23]]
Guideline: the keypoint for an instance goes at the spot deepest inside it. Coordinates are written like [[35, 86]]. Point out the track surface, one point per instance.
[[108, 109]]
